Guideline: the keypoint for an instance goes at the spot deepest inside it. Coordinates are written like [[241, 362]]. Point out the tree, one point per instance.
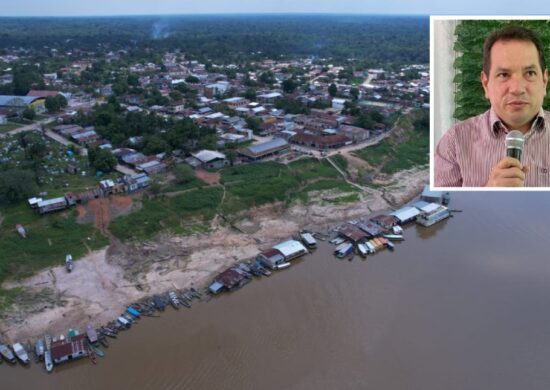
[[29, 113], [332, 90], [184, 173], [102, 159], [253, 124], [55, 103], [17, 184], [289, 85], [192, 79], [354, 92]]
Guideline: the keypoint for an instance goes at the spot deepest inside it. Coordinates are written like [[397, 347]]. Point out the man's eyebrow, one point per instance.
[[530, 67]]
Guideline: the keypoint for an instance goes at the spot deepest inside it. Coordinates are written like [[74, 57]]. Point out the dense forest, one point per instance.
[[379, 40]]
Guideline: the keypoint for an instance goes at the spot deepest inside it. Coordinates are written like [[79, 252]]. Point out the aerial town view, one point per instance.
[[215, 200]]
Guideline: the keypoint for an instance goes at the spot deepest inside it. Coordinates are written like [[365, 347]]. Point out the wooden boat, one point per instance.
[[69, 263], [344, 251], [91, 333], [124, 322], [363, 250], [283, 265], [308, 240], [7, 353], [390, 245], [97, 350], [174, 300], [48, 362], [21, 353], [133, 312], [159, 303], [106, 332], [337, 240], [394, 237], [397, 229], [103, 341], [39, 349]]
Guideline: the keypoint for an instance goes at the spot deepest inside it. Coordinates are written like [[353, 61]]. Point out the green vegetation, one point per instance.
[[49, 238], [411, 148], [9, 127], [340, 161], [180, 214], [7, 297]]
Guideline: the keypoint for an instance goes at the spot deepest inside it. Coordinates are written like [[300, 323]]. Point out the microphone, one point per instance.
[[514, 144]]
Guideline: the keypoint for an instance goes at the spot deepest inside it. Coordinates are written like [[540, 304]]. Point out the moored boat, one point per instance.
[[21, 353], [124, 322], [174, 300], [39, 349], [283, 265], [133, 311], [48, 362], [363, 250], [69, 263], [390, 245], [394, 237], [159, 303], [7, 353], [96, 350], [308, 240]]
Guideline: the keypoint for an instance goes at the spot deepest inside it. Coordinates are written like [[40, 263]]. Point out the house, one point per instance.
[[3, 119], [22, 102], [434, 196], [372, 229], [406, 214], [338, 104], [352, 233], [271, 258], [386, 221], [207, 159], [235, 102], [265, 149], [333, 141], [230, 279], [107, 186], [269, 97], [135, 182], [291, 249], [68, 349], [50, 205]]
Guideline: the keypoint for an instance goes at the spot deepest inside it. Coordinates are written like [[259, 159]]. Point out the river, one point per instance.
[[461, 305]]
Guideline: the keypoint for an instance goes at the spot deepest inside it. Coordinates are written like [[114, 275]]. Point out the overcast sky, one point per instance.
[[164, 7]]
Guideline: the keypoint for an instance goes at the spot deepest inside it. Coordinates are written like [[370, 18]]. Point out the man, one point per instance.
[[473, 153]]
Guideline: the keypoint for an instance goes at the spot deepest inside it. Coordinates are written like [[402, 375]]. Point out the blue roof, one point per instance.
[[265, 146], [16, 101]]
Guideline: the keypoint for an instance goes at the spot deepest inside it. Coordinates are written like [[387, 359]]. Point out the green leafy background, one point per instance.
[[469, 98]]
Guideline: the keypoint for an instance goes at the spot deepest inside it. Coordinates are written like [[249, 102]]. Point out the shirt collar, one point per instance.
[[497, 127]]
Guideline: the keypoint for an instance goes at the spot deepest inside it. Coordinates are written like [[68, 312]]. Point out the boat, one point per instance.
[[390, 245], [377, 243], [7, 353], [337, 240], [91, 333], [308, 239], [370, 247], [69, 263], [159, 303], [48, 362], [397, 229], [124, 322], [21, 230], [133, 311], [21, 353], [107, 332], [283, 265], [96, 350], [432, 214], [72, 333], [340, 246], [39, 349], [363, 250], [344, 251], [174, 300], [394, 237], [103, 341]]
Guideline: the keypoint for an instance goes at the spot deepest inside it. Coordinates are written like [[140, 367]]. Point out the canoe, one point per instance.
[[133, 311], [39, 349], [21, 353], [48, 362], [7, 353]]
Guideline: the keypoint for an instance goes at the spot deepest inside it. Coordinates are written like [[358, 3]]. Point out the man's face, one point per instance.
[[516, 84]]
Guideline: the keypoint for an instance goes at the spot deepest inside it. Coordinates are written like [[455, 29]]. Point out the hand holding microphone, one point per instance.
[[509, 172]]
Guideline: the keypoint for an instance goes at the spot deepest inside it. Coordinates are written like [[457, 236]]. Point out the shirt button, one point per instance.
[[544, 170]]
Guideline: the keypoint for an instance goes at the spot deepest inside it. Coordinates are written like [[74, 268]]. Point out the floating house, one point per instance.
[[50, 205], [271, 258], [432, 213], [406, 214], [229, 279], [291, 249], [352, 233], [71, 348]]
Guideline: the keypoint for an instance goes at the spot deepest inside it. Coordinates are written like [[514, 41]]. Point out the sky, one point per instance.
[[167, 7]]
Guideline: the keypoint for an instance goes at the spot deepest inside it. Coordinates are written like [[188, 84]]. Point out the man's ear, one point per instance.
[[484, 83], [545, 78]]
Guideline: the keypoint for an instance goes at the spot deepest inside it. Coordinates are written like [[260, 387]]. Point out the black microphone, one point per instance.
[[514, 144]]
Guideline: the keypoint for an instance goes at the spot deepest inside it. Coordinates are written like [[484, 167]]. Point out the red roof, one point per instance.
[[42, 94]]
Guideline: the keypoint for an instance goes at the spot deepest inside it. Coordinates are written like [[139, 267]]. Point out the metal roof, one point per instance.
[[16, 101], [266, 146], [48, 202], [290, 247], [208, 155], [406, 213]]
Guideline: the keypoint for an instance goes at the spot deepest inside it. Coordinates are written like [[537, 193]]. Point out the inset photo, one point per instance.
[[490, 124]]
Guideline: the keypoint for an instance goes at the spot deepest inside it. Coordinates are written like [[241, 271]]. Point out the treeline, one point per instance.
[[378, 40]]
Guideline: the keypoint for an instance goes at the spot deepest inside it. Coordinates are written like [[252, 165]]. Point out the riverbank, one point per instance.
[[105, 281]]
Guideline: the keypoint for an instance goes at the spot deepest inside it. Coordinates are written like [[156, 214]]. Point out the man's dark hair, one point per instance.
[[511, 33]]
